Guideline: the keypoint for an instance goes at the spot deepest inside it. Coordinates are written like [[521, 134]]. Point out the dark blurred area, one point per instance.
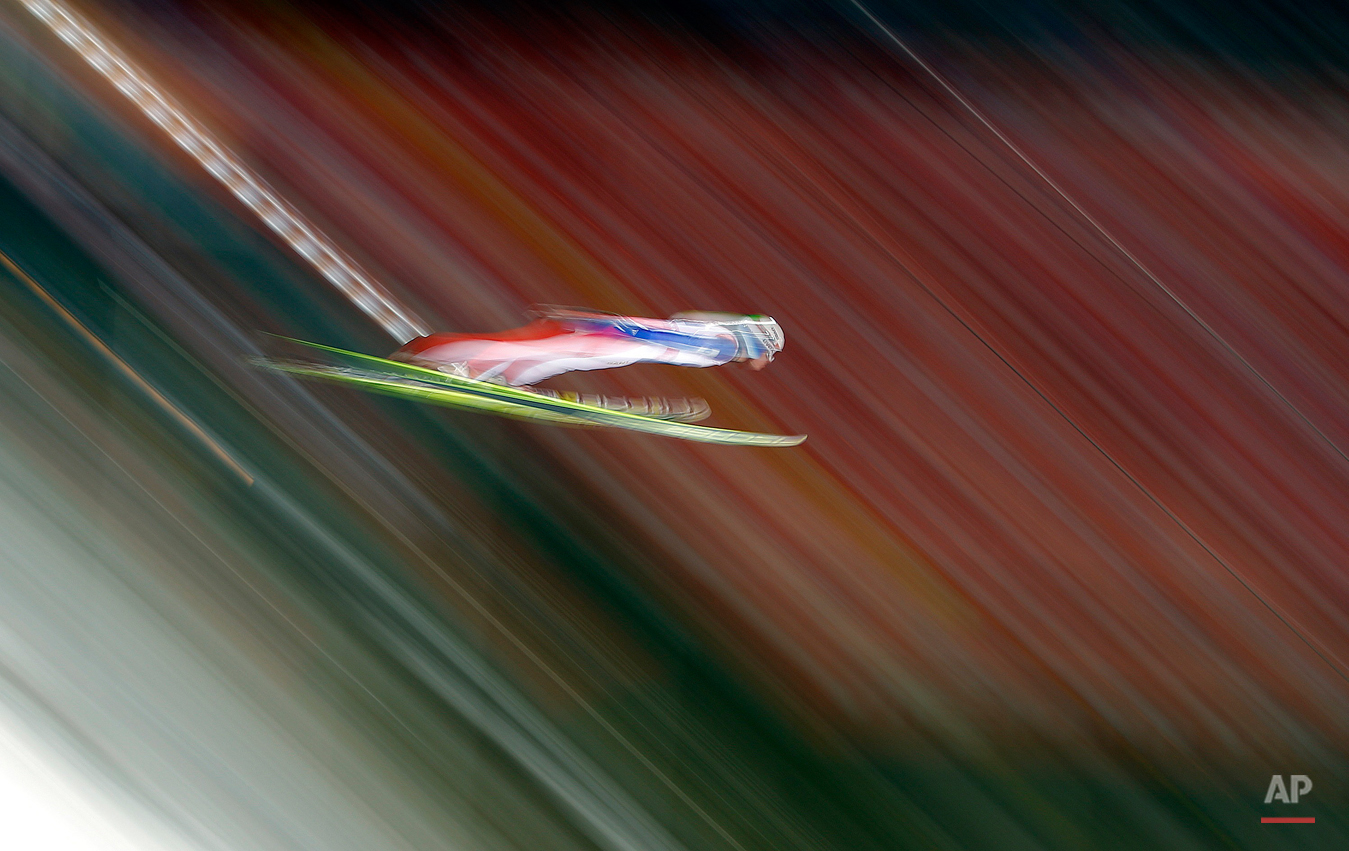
[[1066, 299]]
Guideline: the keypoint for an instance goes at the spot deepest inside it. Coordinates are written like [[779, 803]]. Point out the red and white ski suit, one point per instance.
[[548, 347]]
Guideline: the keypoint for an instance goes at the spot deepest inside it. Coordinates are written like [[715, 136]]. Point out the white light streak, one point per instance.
[[286, 221], [46, 804]]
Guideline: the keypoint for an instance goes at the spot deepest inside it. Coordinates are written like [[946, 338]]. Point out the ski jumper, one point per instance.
[[554, 345]]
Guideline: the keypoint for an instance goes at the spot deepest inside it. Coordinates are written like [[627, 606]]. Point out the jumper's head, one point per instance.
[[756, 336]]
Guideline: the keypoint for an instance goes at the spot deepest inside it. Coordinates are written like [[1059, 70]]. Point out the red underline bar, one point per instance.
[[1287, 820]]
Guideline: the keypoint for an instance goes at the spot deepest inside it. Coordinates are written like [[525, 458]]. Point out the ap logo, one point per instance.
[[1298, 784]]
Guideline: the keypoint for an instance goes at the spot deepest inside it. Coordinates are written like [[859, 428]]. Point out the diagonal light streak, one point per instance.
[[127, 370], [1096, 225], [283, 218], [1327, 655]]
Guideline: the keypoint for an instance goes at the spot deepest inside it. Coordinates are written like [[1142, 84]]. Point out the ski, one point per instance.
[[409, 381]]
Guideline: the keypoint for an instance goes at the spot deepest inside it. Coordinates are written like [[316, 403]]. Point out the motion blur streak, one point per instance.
[[46, 808], [122, 366], [1324, 653], [281, 217], [946, 621]]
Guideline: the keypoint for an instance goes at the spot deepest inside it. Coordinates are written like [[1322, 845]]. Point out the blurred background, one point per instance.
[[1062, 564]]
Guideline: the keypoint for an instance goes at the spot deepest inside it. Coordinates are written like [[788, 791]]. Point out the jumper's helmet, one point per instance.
[[755, 336]]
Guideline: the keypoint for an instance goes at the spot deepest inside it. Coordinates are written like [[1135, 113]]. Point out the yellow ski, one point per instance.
[[408, 381]]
